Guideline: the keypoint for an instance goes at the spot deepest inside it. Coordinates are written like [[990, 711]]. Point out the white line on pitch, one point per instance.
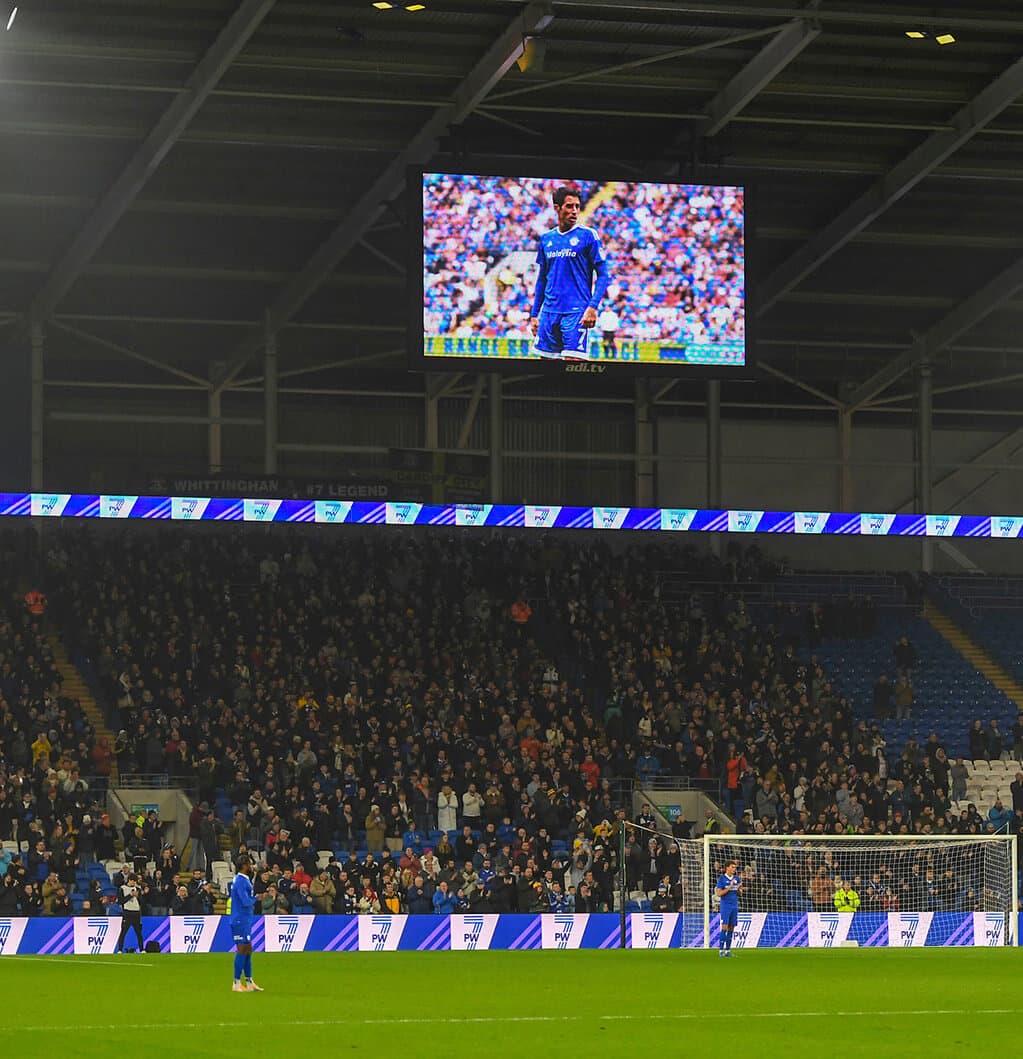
[[88, 961], [503, 1019]]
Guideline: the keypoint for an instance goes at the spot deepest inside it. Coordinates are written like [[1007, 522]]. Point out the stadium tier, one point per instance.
[[467, 709]]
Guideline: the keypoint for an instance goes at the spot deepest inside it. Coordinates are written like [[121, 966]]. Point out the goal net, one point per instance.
[[800, 890]]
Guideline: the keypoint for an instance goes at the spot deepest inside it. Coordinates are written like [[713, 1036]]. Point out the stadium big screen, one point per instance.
[[580, 275]]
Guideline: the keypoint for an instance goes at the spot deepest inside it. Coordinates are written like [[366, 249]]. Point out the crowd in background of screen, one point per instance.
[[675, 252]]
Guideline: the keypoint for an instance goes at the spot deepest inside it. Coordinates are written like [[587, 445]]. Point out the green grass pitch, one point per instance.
[[634, 1003]]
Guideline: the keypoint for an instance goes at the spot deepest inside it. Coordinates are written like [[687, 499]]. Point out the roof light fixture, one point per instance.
[[945, 38], [383, 5], [915, 34], [14, 15], [415, 7]]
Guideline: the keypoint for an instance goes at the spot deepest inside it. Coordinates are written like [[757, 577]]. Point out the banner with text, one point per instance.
[[97, 935]]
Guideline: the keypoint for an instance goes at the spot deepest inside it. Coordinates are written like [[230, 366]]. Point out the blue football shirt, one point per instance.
[[243, 899], [568, 262], [730, 901]]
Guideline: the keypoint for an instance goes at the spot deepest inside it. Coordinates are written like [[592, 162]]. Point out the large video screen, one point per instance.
[[576, 272]]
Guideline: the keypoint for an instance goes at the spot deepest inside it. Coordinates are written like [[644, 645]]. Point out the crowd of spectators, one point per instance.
[[365, 692], [675, 256]]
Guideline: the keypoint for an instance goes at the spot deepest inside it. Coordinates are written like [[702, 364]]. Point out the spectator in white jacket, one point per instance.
[[447, 809], [472, 806]]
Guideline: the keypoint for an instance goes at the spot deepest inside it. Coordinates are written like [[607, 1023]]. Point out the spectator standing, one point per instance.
[[905, 657], [209, 836], [472, 807], [959, 775], [1016, 787], [882, 698], [903, 699], [735, 765], [447, 809], [846, 898], [444, 902], [419, 898], [376, 828], [1000, 816], [30, 900], [994, 745], [195, 819]]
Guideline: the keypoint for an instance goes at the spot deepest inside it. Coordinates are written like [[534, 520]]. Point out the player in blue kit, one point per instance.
[[573, 279], [728, 888], [243, 903]]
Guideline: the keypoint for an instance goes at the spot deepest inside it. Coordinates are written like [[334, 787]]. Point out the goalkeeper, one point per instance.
[[846, 898]]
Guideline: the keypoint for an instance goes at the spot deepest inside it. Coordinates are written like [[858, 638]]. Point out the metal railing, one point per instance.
[[977, 595], [884, 589], [622, 788], [711, 787], [160, 780]]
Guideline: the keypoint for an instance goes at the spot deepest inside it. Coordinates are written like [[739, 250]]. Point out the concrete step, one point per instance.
[[74, 685], [974, 653]]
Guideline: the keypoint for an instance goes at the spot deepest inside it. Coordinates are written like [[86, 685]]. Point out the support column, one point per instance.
[[270, 409], [214, 432], [925, 465], [714, 455], [431, 415], [37, 339], [645, 486], [845, 487], [496, 440]]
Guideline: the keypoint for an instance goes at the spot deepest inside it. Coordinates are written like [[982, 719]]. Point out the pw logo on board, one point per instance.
[[473, 931], [828, 928], [654, 926], [193, 932], [97, 933], [381, 930], [742, 928], [287, 927]]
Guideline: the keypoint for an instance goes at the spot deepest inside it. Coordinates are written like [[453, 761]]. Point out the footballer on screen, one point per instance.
[[572, 280]]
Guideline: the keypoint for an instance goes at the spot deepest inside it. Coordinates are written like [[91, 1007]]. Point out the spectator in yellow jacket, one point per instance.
[[41, 747], [846, 898]]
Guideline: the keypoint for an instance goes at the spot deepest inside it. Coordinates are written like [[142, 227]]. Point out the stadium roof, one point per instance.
[[172, 173]]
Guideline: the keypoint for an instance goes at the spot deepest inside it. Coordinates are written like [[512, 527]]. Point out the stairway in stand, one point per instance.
[[74, 687], [972, 651]]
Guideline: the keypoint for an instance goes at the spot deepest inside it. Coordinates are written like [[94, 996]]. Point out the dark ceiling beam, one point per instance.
[[211, 321], [238, 136], [965, 315], [1002, 451], [691, 82], [470, 93], [635, 64], [873, 15], [234, 36], [759, 72], [310, 369], [800, 384], [123, 351], [918, 164]]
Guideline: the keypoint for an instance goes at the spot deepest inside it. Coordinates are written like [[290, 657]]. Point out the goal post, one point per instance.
[[915, 889]]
